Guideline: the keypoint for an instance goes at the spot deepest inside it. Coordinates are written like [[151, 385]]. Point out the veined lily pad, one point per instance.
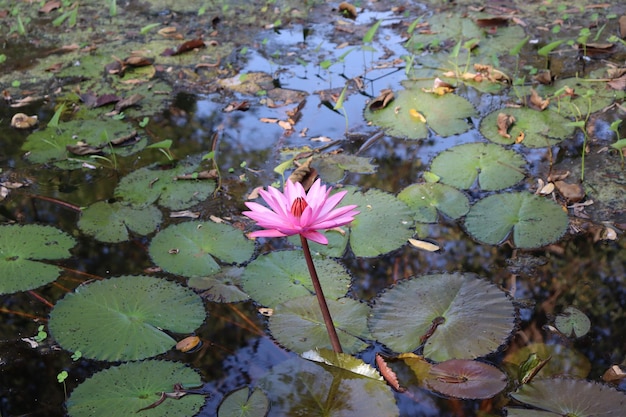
[[150, 184], [447, 115], [455, 316], [111, 222], [124, 390], [428, 199], [122, 318], [188, 248], [465, 379], [280, 276], [302, 387], [568, 397], [540, 129], [534, 221], [242, 403], [21, 249], [221, 287], [494, 166], [299, 326]]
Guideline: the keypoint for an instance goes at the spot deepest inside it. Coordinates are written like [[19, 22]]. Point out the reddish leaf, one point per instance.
[[185, 47], [50, 6], [388, 374]]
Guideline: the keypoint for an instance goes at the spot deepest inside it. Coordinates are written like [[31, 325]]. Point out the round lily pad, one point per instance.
[[465, 379], [427, 200], [111, 222], [568, 397], [540, 128], [241, 403], [283, 275], [22, 248], [532, 221], [188, 248], [221, 287], [126, 389], [124, 318], [454, 316], [572, 322], [493, 166], [299, 326], [413, 112]]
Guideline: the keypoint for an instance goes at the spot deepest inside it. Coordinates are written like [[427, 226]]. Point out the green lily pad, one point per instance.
[[188, 248], [306, 388], [129, 387], [21, 250], [447, 115], [343, 361], [221, 287], [280, 276], [124, 318], [427, 200], [475, 317], [242, 403], [532, 221], [493, 166], [444, 26], [333, 167], [540, 128], [111, 222], [151, 184], [568, 397], [298, 324], [572, 322]]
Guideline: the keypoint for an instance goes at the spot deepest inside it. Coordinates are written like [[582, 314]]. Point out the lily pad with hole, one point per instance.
[[413, 112], [455, 316], [306, 388], [283, 275], [529, 220], [22, 248], [493, 166], [242, 403], [125, 389], [298, 324], [165, 186], [572, 322], [125, 318], [427, 200], [189, 248], [112, 222], [540, 129], [466, 379], [568, 397], [221, 287]]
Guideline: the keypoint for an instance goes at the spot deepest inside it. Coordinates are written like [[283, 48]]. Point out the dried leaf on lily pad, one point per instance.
[[122, 318], [530, 221], [384, 98], [504, 122], [427, 200], [447, 114], [298, 324], [477, 316], [493, 166], [112, 222], [536, 102], [22, 249], [130, 387], [343, 361], [242, 402], [568, 397], [189, 248], [541, 129], [466, 379]]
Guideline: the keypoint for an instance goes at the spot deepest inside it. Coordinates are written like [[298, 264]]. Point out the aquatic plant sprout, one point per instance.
[[296, 212]]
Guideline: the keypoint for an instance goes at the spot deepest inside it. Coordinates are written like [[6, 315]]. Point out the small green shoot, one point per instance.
[[119, 116], [371, 32], [77, 355], [545, 50], [620, 143], [41, 334], [61, 377], [112, 8], [144, 122], [163, 147], [339, 104], [3, 58], [54, 122], [144, 30], [16, 83], [20, 26]]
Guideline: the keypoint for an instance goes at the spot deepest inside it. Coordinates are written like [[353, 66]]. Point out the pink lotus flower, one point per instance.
[[296, 212]]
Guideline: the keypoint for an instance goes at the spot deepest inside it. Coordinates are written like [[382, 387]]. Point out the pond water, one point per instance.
[[283, 66]]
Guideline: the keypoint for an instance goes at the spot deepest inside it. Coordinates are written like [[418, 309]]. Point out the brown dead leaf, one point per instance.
[[126, 139], [573, 193], [496, 21], [384, 98], [536, 102], [237, 105], [347, 10], [504, 122], [285, 125], [184, 47], [544, 77], [81, 149], [50, 6], [304, 174], [596, 50], [170, 32], [202, 175], [622, 26], [54, 67], [23, 121], [492, 74], [614, 374], [268, 120], [618, 83], [138, 61], [128, 102]]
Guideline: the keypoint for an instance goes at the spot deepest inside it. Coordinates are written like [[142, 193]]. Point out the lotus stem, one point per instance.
[[330, 327]]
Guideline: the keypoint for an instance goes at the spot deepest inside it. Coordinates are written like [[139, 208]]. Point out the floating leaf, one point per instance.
[[283, 275], [124, 318], [332, 167], [124, 390], [428, 199], [563, 360], [343, 361], [465, 379], [188, 248], [21, 250], [298, 324], [572, 322], [532, 221], [151, 184], [477, 316], [540, 128], [242, 403], [568, 397], [111, 222], [494, 166], [221, 287]]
